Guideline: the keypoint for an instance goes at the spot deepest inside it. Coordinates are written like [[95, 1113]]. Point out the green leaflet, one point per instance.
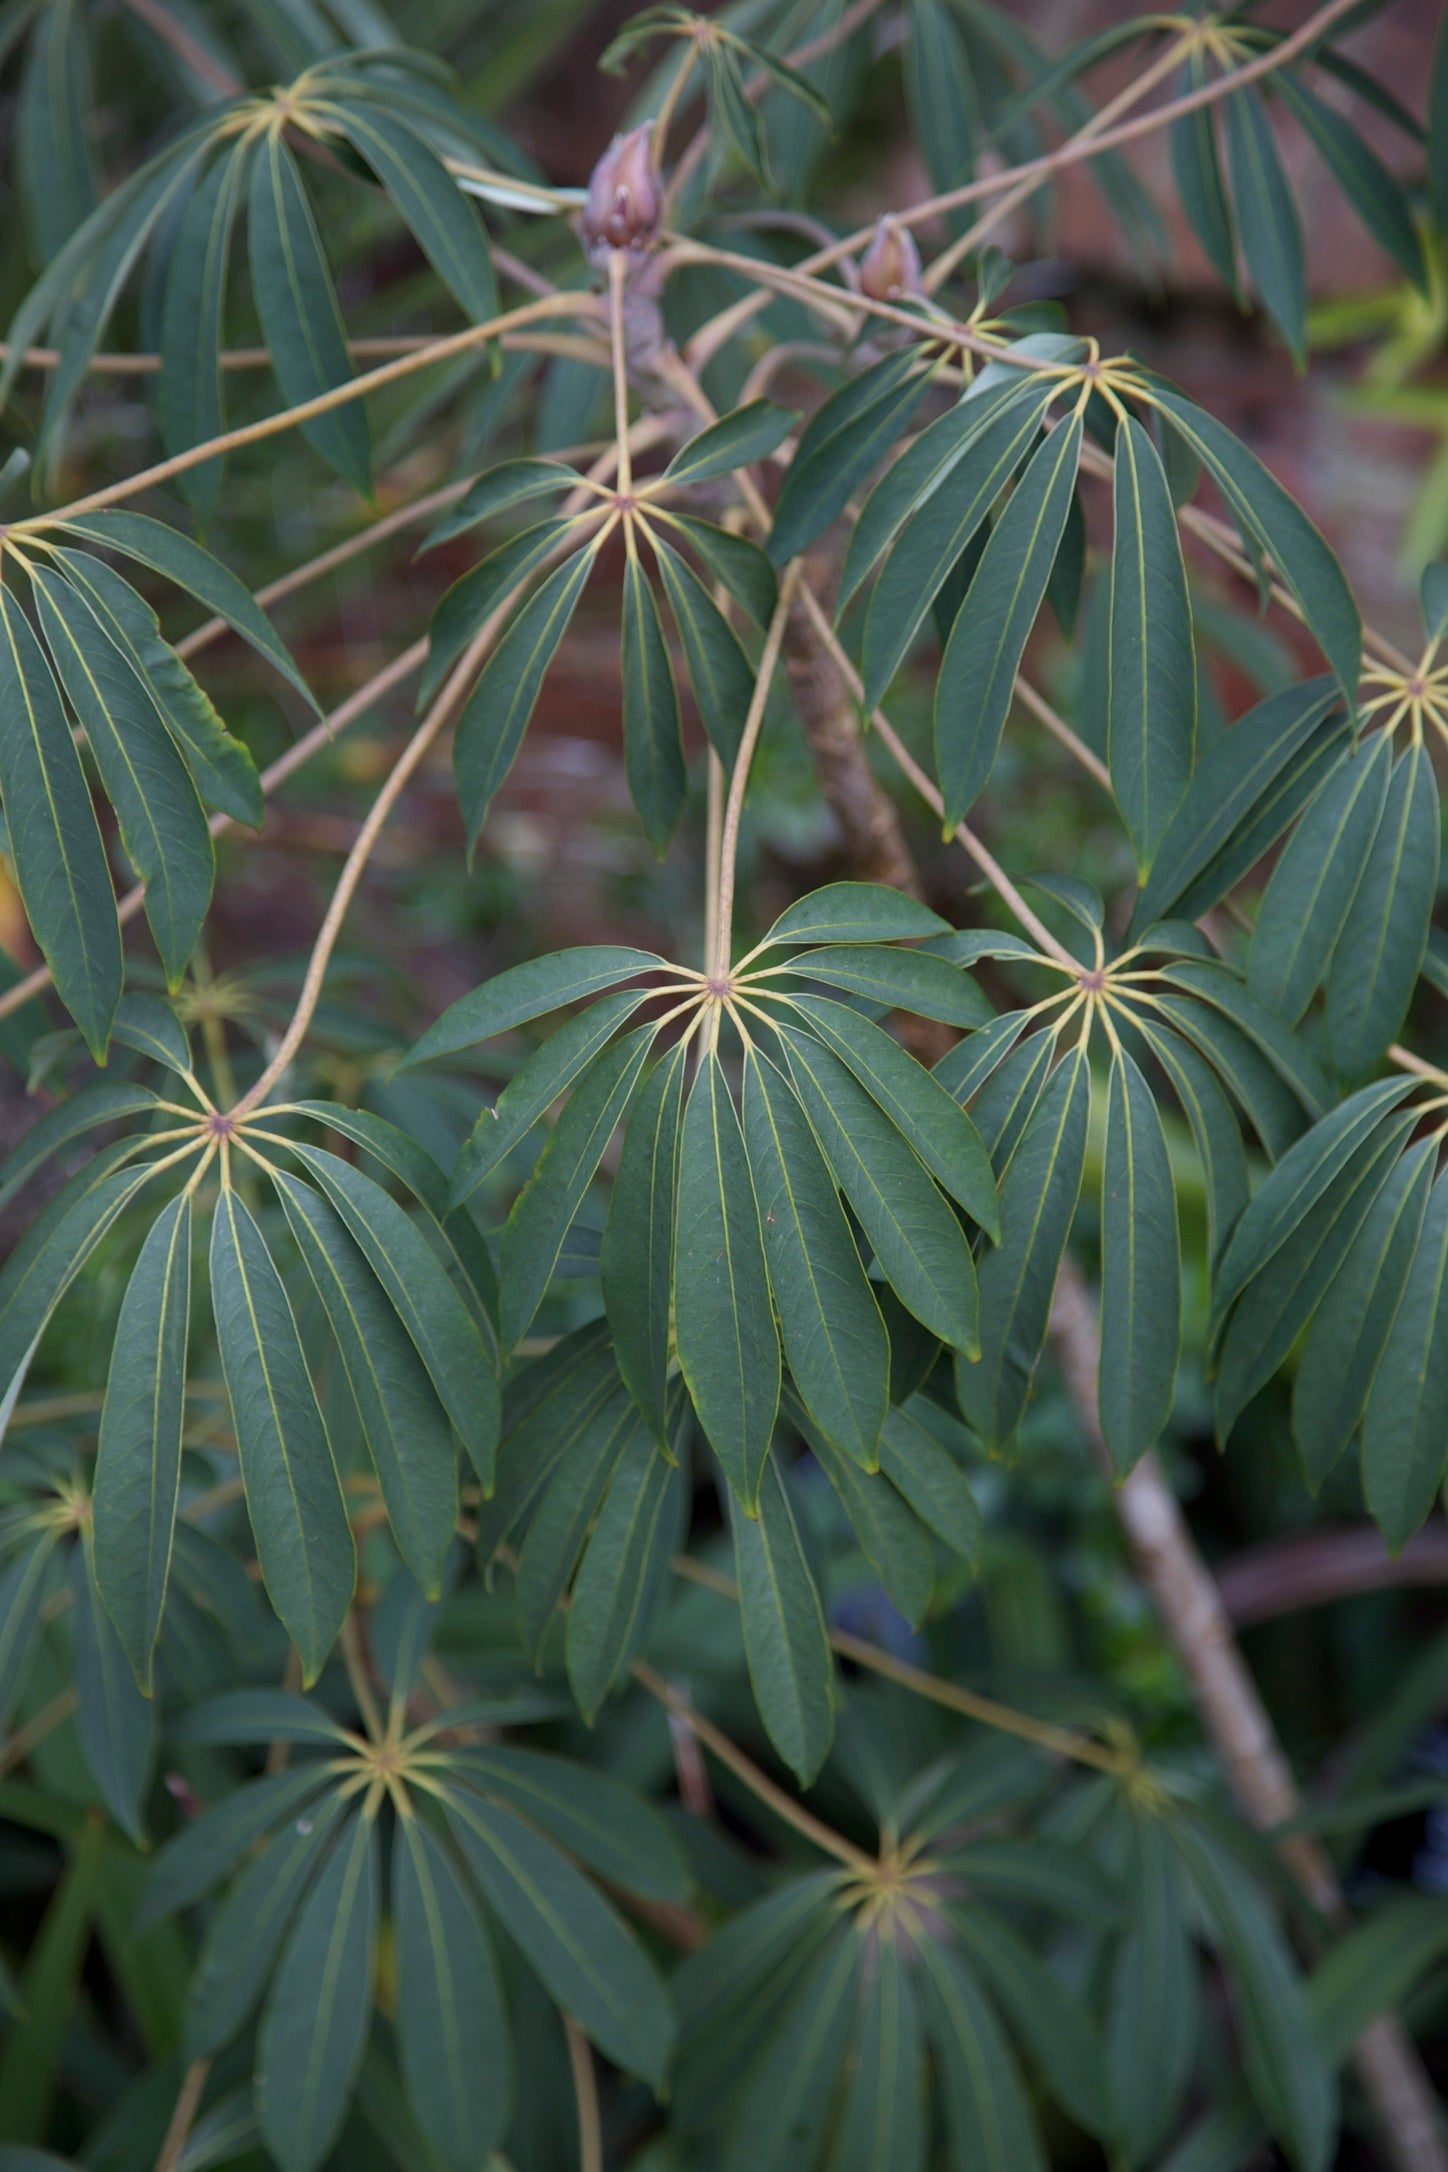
[[1214, 1131], [54, 156], [1018, 1278], [786, 1643], [1373, 190], [138, 1470], [728, 1347], [720, 672], [1271, 231], [547, 1404], [190, 398], [148, 1024], [1264, 1328], [918, 1243], [1380, 951], [174, 556], [491, 727], [443, 1329], [559, 1524], [510, 483], [1294, 1186], [1197, 171], [314, 2030], [303, 1538], [298, 309], [403, 1424], [485, 588], [544, 1210], [529, 991], [747, 434], [452, 2024], [834, 1338], [22, 1593], [624, 1568], [839, 447], [1293, 2086], [988, 2118], [443, 222], [1141, 1312], [60, 863], [906, 980], [602, 1823], [1405, 1424], [928, 1477], [883, 2121], [891, 1538], [735, 562], [115, 1723], [935, 1125], [653, 750], [205, 1849], [853, 912], [1049, 2020], [584, 1953], [257, 1717], [1310, 897], [162, 824], [224, 772], [1245, 790], [921, 470], [1152, 729], [1275, 521], [57, 1245], [1153, 2012], [245, 1933], [978, 671], [1041, 1873], [929, 544], [785, 2106], [943, 100], [637, 1259], [1289, 1058], [49, 1136], [1351, 1327]]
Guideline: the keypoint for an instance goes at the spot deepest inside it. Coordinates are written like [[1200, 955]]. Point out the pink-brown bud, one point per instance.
[[890, 267], [625, 198]]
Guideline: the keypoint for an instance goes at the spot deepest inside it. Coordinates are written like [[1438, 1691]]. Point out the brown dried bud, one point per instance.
[[890, 267], [625, 198]]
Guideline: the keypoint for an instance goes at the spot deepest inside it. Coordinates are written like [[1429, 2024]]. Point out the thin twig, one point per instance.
[[17, 1747], [749, 739], [585, 2096], [188, 2100]]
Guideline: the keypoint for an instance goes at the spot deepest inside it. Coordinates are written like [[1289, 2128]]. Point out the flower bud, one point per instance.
[[625, 200], [890, 267]]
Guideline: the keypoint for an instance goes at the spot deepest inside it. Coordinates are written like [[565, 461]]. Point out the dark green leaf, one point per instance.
[[560, 1523], [56, 1246], [728, 1347], [840, 446], [114, 1720], [1405, 1425], [138, 1471], [602, 1823], [55, 846], [1372, 189], [625, 1566], [853, 912], [918, 1242], [720, 672], [51, 1134], [637, 1259], [1141, 1311], [1018, 1277], [198, 1856], [906, 980], [1285, 1055], [978, 672], [442, 221], [314, 2030], [785, 2105], [1267, 216], [988, 2118], [586, 1956], [162, 824], [530, 991], [1280, 527], [785, 1640], [834, 1337], [1380, 951], [297, 305], [490, 586], [1197, 171], [1214, 1131], [883, 2122], [22, 1594], [1048, 2019], [303, 1538], [892, 1540], [927, 1475], [190, 401], [653, 752], [747, 434], [403, 1424], [511, 483], [544, 1210], [1153, 717], [734, 561], [452, 2026], [1154, 2009], [491, 727], [1310, 896]]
